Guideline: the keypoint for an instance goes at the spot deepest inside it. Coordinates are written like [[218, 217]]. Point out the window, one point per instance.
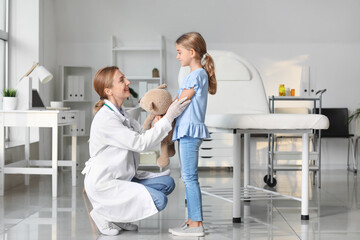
[[2, 63], [3, 42], [3, 15]]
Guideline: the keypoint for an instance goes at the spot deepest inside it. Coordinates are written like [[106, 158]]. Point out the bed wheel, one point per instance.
[[267, 179]]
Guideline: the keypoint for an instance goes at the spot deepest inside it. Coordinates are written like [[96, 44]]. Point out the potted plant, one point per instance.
[[9, 99], [129, 102], [355, 116]]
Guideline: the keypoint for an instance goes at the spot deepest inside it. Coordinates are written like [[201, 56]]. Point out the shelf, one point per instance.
[[130, 108], [294, 167], [142, 78], [138, 62], [294, 98], [76, 80], [136, 49], [67, 135]]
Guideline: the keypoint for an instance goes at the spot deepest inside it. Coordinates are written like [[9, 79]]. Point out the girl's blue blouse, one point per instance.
[[191, 122]]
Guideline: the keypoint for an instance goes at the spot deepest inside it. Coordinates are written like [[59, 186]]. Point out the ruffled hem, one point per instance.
[[192, 130]]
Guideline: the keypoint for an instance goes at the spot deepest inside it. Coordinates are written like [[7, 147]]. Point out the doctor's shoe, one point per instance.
[[104, 226], [126, 226], [187, 231]]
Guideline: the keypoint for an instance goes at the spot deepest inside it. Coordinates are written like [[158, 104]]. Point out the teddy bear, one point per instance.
[[156, 102]]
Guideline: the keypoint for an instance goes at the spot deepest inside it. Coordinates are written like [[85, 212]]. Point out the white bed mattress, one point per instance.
[[267, 121]]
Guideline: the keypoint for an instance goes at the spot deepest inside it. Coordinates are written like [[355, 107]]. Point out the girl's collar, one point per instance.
[[196, 70]]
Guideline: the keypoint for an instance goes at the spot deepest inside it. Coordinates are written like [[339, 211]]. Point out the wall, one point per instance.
[[48, 58], [277, 36]]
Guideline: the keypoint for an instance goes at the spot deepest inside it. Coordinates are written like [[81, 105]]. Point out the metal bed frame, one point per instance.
[[270, 179]]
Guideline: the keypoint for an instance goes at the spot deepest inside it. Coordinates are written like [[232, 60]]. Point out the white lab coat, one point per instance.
[[115, 143]]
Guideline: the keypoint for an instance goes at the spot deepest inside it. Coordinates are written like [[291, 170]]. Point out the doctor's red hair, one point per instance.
[[103, 79]]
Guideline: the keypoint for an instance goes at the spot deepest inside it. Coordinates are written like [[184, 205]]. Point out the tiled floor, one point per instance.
[[31, 213]]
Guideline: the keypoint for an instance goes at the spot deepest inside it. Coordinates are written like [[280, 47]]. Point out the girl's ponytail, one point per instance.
[[210, 70]]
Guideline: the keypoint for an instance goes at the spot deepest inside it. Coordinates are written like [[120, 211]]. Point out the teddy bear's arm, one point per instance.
[[148, 121]]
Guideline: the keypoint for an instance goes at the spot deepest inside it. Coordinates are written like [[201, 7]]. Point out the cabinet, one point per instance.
[[76, 94], [216, 151], [144, 66]]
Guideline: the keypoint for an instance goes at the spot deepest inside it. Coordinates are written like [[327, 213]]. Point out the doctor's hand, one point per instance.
[[176, 108], [156, 119]]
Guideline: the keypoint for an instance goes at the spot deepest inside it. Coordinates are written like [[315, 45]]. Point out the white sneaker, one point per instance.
[[126, 226], [187, 231], [104, 226], [176, 228]]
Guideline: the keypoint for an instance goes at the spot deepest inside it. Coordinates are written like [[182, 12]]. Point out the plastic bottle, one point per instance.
[[282, 91], [287, 92], [293, 92]]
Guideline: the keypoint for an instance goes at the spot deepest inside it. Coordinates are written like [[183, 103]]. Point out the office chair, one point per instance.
[[339, 128]]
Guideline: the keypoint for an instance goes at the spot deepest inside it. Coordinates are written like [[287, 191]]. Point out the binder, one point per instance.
[[82, 126], [305, 81], [70, 88], [152, 85], [74, 131], [142, 88], [81, 92], [76, 88], [78, 123]]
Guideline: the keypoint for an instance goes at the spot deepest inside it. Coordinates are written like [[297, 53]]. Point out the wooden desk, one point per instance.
[[37, 118]]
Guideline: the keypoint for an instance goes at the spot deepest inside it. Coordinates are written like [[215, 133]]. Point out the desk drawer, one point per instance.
[[62, 117], [67, 117], [220, 135], [216, 152], [72, 116], [215, 162], [217, 143]]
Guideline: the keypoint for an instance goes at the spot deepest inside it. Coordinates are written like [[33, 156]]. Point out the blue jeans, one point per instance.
[[188, 153], [159, 188]]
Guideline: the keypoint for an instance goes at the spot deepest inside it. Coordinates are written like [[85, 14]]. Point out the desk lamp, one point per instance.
[[24, 87]]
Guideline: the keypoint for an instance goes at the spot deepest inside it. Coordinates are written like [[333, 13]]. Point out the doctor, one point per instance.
[[119, 193]]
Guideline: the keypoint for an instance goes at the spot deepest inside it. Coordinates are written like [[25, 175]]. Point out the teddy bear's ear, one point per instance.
[[151, 106], [162, 86]]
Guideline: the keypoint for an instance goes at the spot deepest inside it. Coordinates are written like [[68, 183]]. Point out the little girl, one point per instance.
[[190, 128]]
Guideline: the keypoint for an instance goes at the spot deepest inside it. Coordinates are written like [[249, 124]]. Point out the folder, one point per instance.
[[81, 92], [152, 85], [70, 88], [82, 126], [76, 88], [142, 88]]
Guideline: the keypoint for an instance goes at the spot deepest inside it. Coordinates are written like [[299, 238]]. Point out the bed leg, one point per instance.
[[236, 177], [246, 164], [305, 178]]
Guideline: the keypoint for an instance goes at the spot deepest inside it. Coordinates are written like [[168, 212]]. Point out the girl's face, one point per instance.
[[183, 55], [120, 86]]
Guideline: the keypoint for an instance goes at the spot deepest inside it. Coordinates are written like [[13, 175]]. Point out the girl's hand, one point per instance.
[[156, 119]]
